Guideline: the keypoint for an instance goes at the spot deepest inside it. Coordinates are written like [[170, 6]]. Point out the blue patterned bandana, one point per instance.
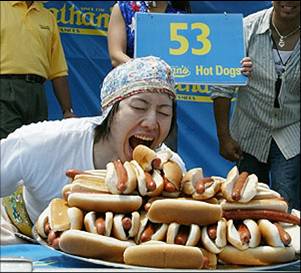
[[146, 74]]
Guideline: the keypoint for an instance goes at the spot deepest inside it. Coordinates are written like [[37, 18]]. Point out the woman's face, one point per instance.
[[141, 119], [287, 9]]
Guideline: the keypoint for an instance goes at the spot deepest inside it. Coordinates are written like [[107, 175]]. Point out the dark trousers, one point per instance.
[[21, 102], [280, 174]]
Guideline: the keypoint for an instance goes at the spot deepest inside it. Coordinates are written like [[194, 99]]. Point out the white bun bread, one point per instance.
[[100, 179], [75, 216], [82, 185], [264, 192], [190, 180], [184, 211], [266, 204], [194, 234], [144, 156], [217, 245], [210, 189], [248, 191], [269, 233], [173, 173], [90, 222], [105, 202], [159, 230], [41, 221], [233, 235], [111, 178], [142, 188], [90, 245], [164, 256], [118, 229], [58, 215], [210, 259], [261, 255]]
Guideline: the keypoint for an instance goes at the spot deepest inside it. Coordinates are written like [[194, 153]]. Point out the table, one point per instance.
[[46, 259]]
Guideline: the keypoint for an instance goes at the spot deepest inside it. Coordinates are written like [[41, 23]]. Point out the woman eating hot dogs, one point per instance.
[[138, 104]]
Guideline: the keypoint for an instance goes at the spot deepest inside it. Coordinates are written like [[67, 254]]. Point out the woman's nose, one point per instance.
[[150, 120]]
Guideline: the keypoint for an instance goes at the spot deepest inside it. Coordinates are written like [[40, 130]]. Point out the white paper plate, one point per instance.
[[121, 265]]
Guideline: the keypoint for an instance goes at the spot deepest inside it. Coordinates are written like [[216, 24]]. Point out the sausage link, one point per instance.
[[55, 243], [182, 236], [126, 223], [156, 163], [168, 186], [272, 215], [201, 184], [150, 183], [284, 236], [238, 185], [100, 224], [147, 234], [73, 172], [47, 227], [121, 174], [244, 233], [212, 229]]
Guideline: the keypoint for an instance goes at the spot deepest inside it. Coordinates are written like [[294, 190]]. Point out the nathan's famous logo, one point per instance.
[[82, 20], [180, 71]]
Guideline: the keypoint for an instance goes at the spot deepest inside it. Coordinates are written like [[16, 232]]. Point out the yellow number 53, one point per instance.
[[183, 41]]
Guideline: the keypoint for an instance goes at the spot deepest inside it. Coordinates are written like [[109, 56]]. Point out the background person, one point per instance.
[[136, 107], [31, 52], [264, 136]]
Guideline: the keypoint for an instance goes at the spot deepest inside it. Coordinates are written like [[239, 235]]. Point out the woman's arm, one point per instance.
[[117, 39]]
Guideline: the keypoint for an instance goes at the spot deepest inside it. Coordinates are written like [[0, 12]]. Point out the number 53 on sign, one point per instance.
[[201, 48]]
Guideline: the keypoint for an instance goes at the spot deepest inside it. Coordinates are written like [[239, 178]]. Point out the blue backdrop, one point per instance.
[[84, 25]]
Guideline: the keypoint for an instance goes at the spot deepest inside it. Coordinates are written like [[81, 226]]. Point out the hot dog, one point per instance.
[[90, 245], [105, 202], [149, 184], [172, 177], [239, 187], [200, 187], [243, 235], [188, 235], [184, 211], [99, 223], [294, 232], [126, 227], [146, 158], [120, 178], [164, 255], [149, 231], [214, 236]]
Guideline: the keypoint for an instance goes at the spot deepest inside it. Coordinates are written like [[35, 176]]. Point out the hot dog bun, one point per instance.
[[217, 244], [142, 183], [41, 221], [261, 255], [195, 176], [294, 232], [184, 211], [164, 256], [95, 225], [86, 244], [76, 218], [58, 215], [234, 236], [149, 231], [112, 178], [120, 232], [105, 202], [248, 190], [188, 235], [172, 175], [144, 156], [264, 192]]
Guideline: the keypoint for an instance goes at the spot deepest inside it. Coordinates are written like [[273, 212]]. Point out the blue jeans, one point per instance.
[[280, 174]]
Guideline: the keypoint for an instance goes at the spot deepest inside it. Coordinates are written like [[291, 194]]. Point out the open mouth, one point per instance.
[[138, 139]]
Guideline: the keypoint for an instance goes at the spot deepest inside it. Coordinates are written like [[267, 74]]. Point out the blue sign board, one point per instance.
[[201, 48]]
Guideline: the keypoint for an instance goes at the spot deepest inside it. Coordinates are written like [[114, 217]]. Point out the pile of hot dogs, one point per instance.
[[147, 212]]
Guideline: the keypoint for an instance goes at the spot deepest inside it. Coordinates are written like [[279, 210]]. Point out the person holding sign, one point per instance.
[[121, 31], [138, 102], [264, 136]]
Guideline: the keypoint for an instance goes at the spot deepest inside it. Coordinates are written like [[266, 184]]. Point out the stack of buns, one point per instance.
[[147, 212]]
